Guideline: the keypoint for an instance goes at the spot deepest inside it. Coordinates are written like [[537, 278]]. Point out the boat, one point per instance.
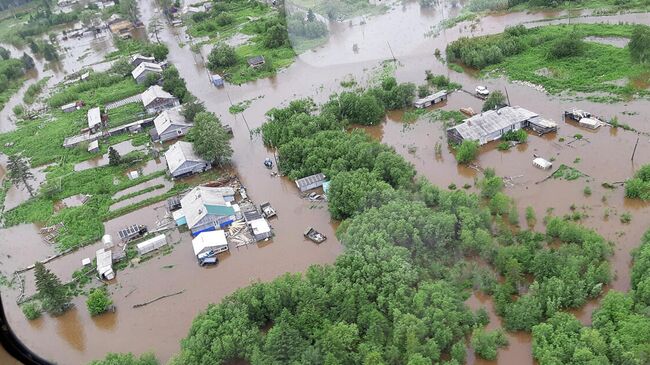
[[468, 111], [268, 163], [314, 235], [267, 210]]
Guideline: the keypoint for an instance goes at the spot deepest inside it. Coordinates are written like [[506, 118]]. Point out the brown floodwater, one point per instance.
[[604, 157]]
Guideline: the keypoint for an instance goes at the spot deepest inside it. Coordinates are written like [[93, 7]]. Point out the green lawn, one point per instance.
[[603, 69], [126, 114]]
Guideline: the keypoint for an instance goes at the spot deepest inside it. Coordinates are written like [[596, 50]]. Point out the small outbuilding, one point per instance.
[[541, 163], [431, 99], [217, 80], [257, 61], [94, 119], [207, 245], [69, 108], [261, 229], [93, 147], [183, 161], [169, 124], [151, 244], [105, 264], [144, 69], [310, 182], [590, 123], [155, 100]]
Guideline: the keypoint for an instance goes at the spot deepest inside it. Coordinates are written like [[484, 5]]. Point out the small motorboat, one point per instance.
[[314, 235], [268, 163]]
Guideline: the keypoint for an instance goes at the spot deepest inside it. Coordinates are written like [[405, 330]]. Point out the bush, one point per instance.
[[224, 19], [221, 56], [496, 100], [486, 343], [98, 301], [31, 310], [570, 46], [640, 44], [467, 152], [519, 135]]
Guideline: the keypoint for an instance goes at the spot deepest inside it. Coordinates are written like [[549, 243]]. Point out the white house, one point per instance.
[[137, 59], [144, 69], [183, 161], [155, 99], [205, 209], [207, 245], [169, 124]]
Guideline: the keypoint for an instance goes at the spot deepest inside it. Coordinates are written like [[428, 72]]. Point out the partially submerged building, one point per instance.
[[183, 161], [310, 182], [155, 100], [94, 119], [207, 245], [151, 244], [169, 124], [431, 99], [542, 163], [493, 124], [584, 118], [205, 209], [105, 264], [144, 69], [257, 61], [257, 224]]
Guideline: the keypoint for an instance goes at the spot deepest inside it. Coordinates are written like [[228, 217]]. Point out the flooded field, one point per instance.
[[122, 148], [604, 156]]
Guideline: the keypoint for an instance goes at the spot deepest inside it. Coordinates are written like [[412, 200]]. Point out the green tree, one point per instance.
[[467, 152], [174, 84], [486, 343], [191, 109], [495, 100], [31, 310], [98, 301], [28, 61], [221, 56], [159, 51], [129, 9], [569, 46], [127, 359], [4, 53], [114, 157], [19, 174], [353, 191], [276, 36], [640, 44], [53, 295], [210, 139]]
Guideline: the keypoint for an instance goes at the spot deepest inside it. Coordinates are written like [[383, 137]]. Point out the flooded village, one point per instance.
[[179, 233]]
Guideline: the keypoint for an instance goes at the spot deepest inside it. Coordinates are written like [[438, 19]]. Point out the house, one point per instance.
[[217, 80], [207, 245], [151, 244], [144, 69], [137, 59], [105, 264], [169, 125], [155, 100], [490, 125], [431, 99], [93, 146], [256, 61], [310, 182], [542, 163], [94, 119], [204, 209], [183, 161]]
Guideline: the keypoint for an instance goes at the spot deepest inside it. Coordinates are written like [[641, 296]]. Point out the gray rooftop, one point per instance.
[[306, 181], [154, 92], [432, 97], [94, 118], [168, 118], [179, 153], [486, 123]]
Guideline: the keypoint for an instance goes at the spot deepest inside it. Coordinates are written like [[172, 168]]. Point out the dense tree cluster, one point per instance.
[[620, 330], [221, 56], [174, 84], [639, 186], [11, 69], [495, 100], [570, 45], [640, 44], [210, 139], [126, 359], [356, 108], [297, 120], [479, 52], [306, 27]]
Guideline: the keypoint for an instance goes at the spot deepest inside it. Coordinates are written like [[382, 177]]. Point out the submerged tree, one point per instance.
[[54, 296], [98, 301], [221, 56], [155, 27], [18, 172], [191, 109], [211, 141], [496, 100], [28, 61]]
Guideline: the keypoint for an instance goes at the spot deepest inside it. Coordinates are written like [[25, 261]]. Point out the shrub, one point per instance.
[[486, 343], [519, 135], [626, 217], [221, 56], [570, 46], [31, 310], [98, 301], [467, 152]]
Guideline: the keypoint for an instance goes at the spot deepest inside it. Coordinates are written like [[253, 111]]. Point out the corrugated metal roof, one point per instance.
[[308, 180], [146, 66], [154, 92], [481, 125], [179, 153], [201, 201], [210, 239], [168, 118], [432, 97], [94, 117]]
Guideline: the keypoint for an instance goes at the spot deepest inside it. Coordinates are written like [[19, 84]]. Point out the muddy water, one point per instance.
[[18, 195], [79, 338]]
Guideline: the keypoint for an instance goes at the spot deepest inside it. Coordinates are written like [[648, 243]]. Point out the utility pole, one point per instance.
[[250, 133], [391, 52], [507, 96], [634, 152]]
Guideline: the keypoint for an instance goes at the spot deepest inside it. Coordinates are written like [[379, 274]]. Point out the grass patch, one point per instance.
[[138, 193], [126, 114], [7, 93], [567, 173], [34, 90], [413, 114], [240, 107], [449, 118], [595, 71]]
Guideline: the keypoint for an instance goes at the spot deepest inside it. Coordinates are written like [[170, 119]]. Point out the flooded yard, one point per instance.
[[603, 155], [122, 148]]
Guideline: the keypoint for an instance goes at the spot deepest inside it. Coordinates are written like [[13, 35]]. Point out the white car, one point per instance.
[[482, 90]]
